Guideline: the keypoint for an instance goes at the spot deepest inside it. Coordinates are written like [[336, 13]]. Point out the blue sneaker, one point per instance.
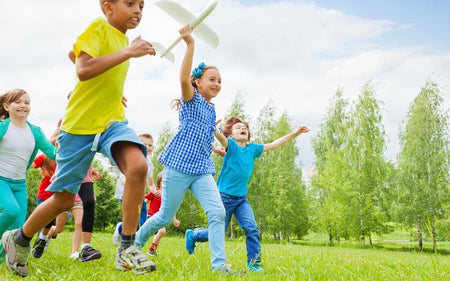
[[255, 267], [190, 242]]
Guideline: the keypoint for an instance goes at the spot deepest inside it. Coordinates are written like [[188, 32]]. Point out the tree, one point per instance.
[[366, 146], [330, 183], [423, 162], [33, 179]]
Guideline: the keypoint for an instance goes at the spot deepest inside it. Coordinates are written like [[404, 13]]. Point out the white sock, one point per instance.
[[42, 236], [84, 245]]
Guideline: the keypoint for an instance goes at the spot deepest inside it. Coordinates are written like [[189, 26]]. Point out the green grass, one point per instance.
[[282, 262]]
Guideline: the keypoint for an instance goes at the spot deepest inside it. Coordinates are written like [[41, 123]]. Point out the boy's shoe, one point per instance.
[[255, 267], [88, 254], [116, 235], [16, 256], [74, 255], [133, 259], [152, 252], [190, 242], [39, 247]]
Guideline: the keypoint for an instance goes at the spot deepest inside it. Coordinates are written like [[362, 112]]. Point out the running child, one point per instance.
[[154, 204], [233, 181], [19, 144], [187, 157], [94, 120]]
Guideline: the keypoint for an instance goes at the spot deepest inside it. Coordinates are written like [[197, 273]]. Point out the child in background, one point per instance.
[[233, 181], [19, 144], [154, 204], [187, 157], [94, 120]]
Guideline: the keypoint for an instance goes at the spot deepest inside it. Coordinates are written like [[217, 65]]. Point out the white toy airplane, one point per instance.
[[183, 16]]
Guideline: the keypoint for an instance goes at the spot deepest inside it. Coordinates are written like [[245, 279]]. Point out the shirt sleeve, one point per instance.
[[257, 149], [231, 145], [38, 161], [90, 40]]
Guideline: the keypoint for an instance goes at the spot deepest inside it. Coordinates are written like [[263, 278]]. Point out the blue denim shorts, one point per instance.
[[75, 154]]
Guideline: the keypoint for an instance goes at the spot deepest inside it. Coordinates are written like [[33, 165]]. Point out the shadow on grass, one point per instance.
[[386, 247]]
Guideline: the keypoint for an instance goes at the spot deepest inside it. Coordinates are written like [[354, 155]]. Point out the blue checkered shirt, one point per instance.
[[189, 151]]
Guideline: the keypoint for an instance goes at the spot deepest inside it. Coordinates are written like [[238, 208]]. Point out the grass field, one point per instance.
[[282, 262]]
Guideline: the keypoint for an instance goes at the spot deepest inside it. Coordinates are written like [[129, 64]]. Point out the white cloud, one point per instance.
[[294, 54]]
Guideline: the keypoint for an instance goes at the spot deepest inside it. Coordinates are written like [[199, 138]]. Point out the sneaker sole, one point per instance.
[[92, 257]]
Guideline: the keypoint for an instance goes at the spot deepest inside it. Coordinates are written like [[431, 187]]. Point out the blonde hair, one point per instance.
[[7, 98], [146, 135], [176, 103]]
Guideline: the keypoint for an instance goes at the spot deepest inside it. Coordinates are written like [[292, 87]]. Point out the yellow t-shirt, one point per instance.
[[97, 102]]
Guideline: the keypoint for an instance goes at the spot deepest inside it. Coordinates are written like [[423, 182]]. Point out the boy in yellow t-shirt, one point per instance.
[[94, 120]]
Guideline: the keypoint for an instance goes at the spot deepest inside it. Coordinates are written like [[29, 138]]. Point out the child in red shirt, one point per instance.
[[154, 203]]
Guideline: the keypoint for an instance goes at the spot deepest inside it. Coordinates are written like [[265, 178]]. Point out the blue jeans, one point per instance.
[[174, 186], [240, 207]]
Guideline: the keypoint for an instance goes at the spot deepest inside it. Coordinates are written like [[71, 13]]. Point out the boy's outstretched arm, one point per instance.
[[185, 71], [88, 67], [279, 142]]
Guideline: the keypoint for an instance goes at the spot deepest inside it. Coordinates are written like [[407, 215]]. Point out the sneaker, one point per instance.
[[88, 254], [228, 271], [74, 255], [133, 259], [39, 247], [152, 252], [255, 267], [190, 242], [15, 255], [116, 235]]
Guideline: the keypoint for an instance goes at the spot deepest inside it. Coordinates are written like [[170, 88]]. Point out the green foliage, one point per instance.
[[107, 208], [33, 179], [423, 162]]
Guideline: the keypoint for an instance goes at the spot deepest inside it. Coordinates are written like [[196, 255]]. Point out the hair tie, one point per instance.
[[198, 71]]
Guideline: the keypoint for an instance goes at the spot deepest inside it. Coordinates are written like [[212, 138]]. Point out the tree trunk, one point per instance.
[[370, 239], [330, 235], [232, 235], [419, 236], [288, 238], [363, 238], [433, 232]]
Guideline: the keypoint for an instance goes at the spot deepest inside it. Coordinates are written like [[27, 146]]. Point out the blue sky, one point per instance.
[[427, 21]]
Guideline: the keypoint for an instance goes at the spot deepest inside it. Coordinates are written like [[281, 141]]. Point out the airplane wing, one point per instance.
[[183, 17]]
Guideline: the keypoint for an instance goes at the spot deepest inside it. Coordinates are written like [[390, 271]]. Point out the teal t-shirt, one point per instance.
[[237, 168]]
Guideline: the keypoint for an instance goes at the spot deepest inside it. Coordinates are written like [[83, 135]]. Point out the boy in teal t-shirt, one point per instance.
[[233, 181]]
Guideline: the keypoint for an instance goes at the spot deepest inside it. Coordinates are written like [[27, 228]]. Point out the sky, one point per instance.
[[293, 54]]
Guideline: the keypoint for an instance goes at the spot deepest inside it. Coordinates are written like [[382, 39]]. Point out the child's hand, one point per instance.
[[140, 47], [176, 222], [219, 150], [124, 101], [301, 130], [185, 33]]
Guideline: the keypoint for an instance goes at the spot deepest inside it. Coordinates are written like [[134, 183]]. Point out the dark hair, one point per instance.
[[176, 103], [103, 1], [48, 167], [7, 98], [228, 128]]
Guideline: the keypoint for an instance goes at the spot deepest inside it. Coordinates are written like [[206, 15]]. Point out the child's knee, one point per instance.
[[218, 213], [162, 231], [138, 169]]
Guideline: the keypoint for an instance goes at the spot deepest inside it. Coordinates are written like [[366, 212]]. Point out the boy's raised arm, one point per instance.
[[279, 142]]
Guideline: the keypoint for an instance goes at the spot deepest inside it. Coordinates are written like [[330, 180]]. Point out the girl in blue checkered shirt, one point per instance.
[[187, 157]]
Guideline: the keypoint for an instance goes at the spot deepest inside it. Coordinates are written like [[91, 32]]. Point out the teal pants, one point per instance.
[[13, 204]]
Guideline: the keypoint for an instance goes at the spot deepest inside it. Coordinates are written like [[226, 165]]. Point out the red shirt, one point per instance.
[[45, 182], [155, 203]]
